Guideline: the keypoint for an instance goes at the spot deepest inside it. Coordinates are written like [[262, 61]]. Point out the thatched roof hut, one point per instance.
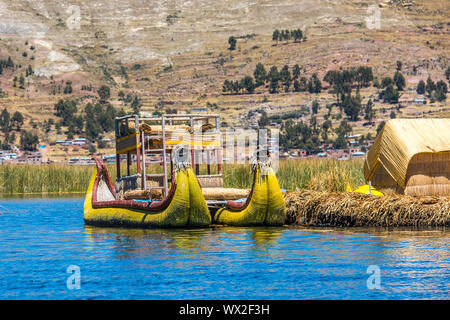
[[412, 157]]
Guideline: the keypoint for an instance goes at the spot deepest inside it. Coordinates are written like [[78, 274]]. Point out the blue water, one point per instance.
[[40, 239]]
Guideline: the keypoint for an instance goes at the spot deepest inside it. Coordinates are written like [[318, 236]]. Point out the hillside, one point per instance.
[[175, 55]]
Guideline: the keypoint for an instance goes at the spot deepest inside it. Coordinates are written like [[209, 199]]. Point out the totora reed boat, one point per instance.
[[264, 205], [184, 205], [152, 199]]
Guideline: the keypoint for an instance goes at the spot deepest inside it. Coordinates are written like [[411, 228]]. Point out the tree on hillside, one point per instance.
[[341, 131], [260, 74], [136, 104], [10, 63], [274, 77], [369, 111], [430, 86], [104, 93], [28, 141], [441, 85], [344, 128], [248, 84], [315, 107], [91, 124], [420, 87], [336, 81], [352, 106], [392, 115], [297, 34], [66, 109], [5, 118], [17, 120], [68, 87], [317, 83], [285, 77], [77, 124], [441, 91], [326, 125], [387, 81], [106, 118], [399, 65], [362, 75], [287, 35], [296, 86], [276, 35], [340, 142], [380, 127], [389, 94], [227, 86], [314, 84], [232, 43], [121, 113], [236, 86], [447, 73], [21, 82], [399, 81], [301, 85], [264, 120], [296, 72]]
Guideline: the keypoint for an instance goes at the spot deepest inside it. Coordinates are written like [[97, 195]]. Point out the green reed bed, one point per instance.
[[312, 174], [320, 174], [51, 178]]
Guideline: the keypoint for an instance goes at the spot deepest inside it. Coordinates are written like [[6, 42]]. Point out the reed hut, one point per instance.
[[411, 157]]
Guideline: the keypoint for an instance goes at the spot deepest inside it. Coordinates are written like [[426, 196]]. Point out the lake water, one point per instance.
[[41, 238]]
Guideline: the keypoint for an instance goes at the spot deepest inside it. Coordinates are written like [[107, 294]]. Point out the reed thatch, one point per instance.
[[411, 157], [156, 194], [210, 181], [311, 208], [225, 193], [429, 174]]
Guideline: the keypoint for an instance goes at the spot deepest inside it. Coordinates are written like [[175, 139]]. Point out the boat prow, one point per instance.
[[264, 205]]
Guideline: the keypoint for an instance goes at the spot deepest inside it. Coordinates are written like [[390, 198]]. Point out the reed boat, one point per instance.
[[263, 206], [184, 205]]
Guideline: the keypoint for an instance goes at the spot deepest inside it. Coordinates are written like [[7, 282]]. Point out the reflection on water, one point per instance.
[[39, 239]]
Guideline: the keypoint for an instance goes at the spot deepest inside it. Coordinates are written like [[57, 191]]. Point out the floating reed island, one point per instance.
[[346, 209]]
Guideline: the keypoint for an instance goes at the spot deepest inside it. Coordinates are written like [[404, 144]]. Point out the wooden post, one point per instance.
[[117, 123], [165, 182], [127, 132], [208, 160], [218, 150], [138, 151], [219, 161], [171, 167], [118, 166], [197, 165], [144, 177]]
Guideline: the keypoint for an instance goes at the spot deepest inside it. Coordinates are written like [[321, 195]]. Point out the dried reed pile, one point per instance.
[[348, 209], [156, 194], [224, 193]]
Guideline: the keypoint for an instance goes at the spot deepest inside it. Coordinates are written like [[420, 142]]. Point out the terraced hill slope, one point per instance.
[[174, 54]]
